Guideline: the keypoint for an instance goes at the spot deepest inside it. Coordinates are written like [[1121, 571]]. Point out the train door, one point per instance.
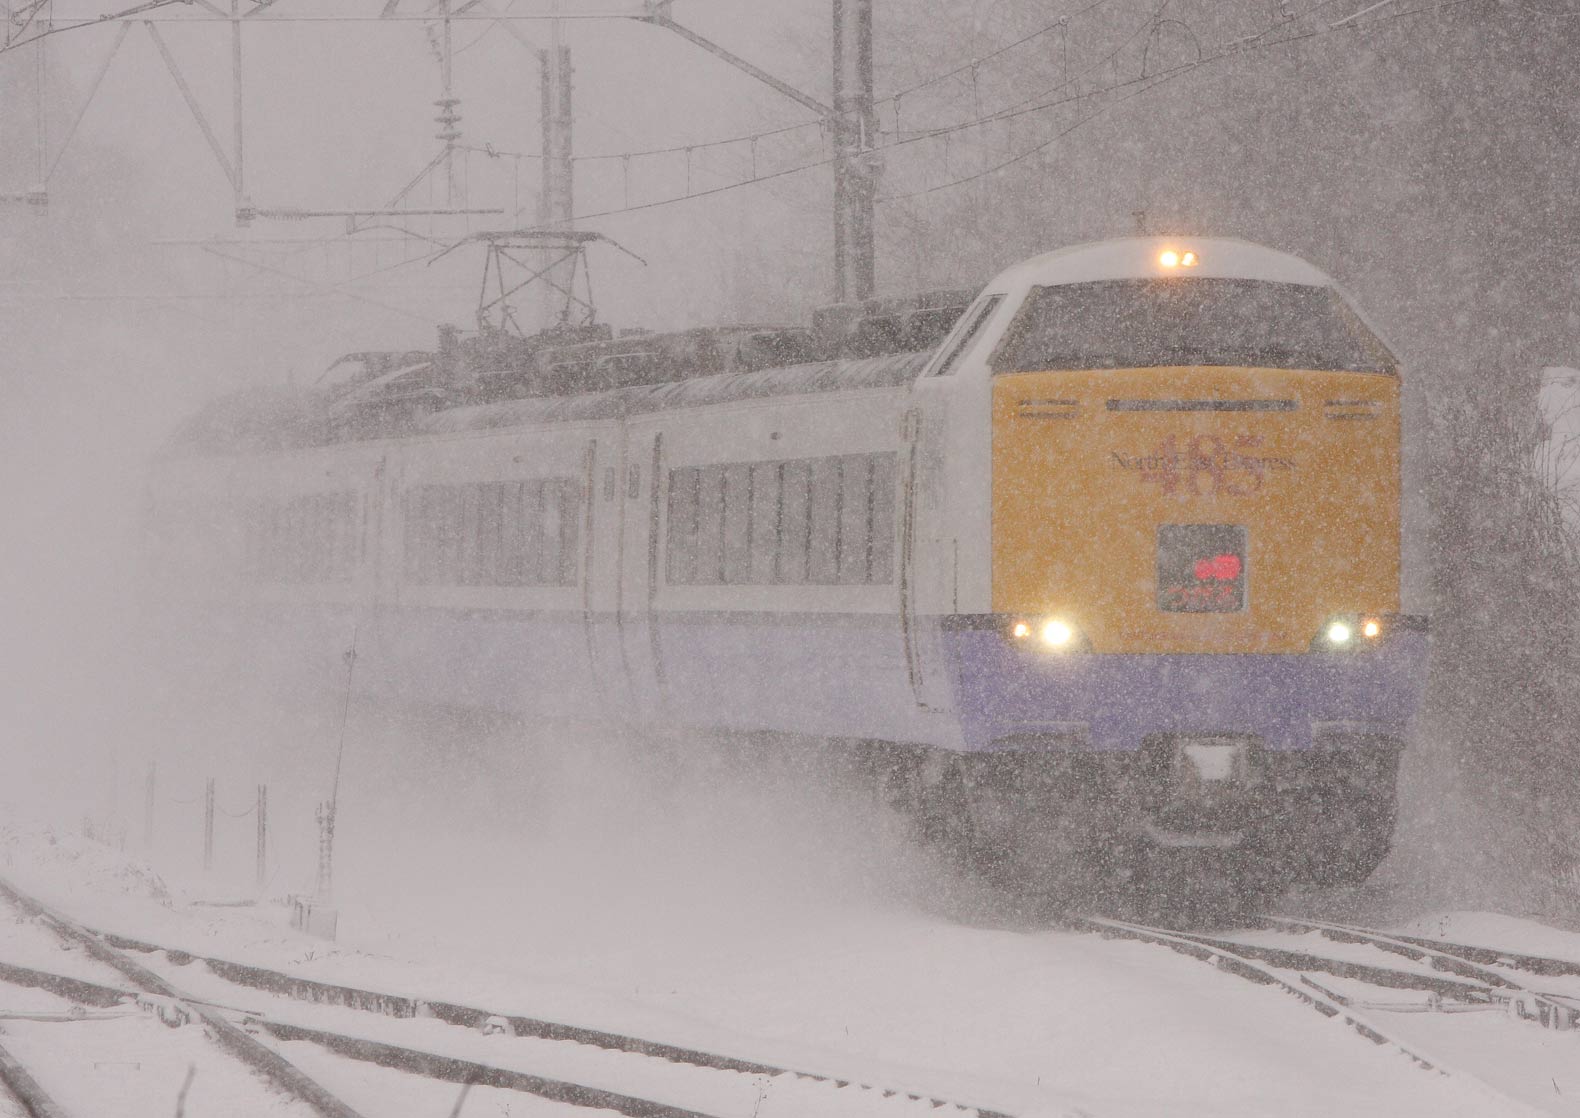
[[640, 497], [927, 573], [615, 532], [381, 534]]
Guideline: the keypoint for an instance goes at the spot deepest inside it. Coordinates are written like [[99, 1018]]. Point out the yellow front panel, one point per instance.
[[1088, 465]]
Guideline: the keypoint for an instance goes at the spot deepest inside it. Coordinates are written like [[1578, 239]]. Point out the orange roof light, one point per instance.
[[1169, 258], [1188, 260]]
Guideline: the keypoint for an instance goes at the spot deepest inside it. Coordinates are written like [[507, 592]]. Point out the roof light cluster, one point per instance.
[[1172, 258]]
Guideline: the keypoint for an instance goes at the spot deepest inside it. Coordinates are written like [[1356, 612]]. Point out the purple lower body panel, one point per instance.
[[1012, 697]]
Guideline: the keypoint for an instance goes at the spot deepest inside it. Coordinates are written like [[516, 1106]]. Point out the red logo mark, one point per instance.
[[1224, 568]]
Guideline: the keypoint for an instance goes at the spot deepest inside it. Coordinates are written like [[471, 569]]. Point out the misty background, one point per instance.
[[1424, 154]]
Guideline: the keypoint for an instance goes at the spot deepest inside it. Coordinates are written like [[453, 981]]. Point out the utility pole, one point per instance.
[[238, 160], [448, 118], [262, 863], [861, 170], [324, 893], [855, 128], [148, 809], [39, 195], [208, 825]]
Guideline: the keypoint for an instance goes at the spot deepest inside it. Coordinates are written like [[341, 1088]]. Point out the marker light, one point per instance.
[[1339, 633], [1169, 258], [1057, 634], [1371, 628], [1188, 260], [1021, 631]]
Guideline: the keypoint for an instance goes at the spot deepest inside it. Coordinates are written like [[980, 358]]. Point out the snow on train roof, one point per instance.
[[891, 371], [1139, 258]]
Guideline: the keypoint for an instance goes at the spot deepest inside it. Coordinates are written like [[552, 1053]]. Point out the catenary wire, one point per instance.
[[1155, 80], [1148, 82]]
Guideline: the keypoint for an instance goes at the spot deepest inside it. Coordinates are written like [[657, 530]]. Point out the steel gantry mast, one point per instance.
[[850, 120], [557, 192], [854, 124]]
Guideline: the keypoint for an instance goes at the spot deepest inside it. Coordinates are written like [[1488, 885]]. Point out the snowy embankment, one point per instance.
[[1028, 1021]]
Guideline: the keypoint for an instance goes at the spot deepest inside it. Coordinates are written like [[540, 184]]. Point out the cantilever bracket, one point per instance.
[[656, 12]]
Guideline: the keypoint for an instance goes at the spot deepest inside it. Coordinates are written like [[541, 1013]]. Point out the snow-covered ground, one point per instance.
[[761, 947]]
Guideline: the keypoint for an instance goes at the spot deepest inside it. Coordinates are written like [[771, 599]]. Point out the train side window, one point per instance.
[[433, 535], [532, 564], [289, 568], [466, 571], [251, 539], [359, 528], [307, 524], [447, 529], [823, 562], [551, 560], [737, 523], [880, 563], [570, 502], [710, 525], [764, 524], [681, 560], [277, 554], [301, 538], [414, 514], [823, 521], [315, 538], [299, 535], [795, 522], [346, 539], [490, 528], [309, 538], [970, 327], [511, 558], [855, 517], [342, 536], [326, 537]]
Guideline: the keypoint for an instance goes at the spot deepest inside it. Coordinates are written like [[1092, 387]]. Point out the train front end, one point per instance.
[[1195, 559]]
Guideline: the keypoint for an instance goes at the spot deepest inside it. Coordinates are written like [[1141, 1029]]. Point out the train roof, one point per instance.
[[282, 420], [1138, 258], [893, 370], [498, 380]]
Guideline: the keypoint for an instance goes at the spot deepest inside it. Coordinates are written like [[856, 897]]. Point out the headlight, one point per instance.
[[1348, 631], [1053, 634], [1056, 633]]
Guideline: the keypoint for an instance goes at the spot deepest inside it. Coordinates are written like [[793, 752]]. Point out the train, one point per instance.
[[1104, 556]]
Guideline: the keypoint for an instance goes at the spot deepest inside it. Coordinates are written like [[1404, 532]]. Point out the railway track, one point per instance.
[[173, 1005], [1364, 993], [1494, 968], [444, 1041], [301, 1034]]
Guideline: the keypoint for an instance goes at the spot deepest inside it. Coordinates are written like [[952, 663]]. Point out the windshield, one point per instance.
[[1129, 324]]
